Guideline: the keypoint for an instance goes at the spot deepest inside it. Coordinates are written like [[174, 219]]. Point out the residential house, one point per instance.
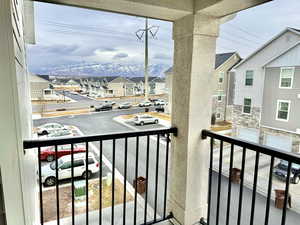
[[39, 87], [221, 99], [121, 86], [64, 83], [266, 97], [156, 85]]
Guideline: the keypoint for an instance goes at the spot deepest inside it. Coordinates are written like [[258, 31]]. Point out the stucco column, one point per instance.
[[192, 87]]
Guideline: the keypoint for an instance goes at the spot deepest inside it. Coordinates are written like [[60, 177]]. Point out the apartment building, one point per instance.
[[266, 97], [224, 81]]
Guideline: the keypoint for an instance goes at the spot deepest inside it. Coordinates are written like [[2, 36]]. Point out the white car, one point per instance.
[[49, 128], [145, 104], [159, 102], [145, 119], [65, 169]]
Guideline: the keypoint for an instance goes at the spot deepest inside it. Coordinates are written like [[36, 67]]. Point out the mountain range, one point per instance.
[[104, 69]]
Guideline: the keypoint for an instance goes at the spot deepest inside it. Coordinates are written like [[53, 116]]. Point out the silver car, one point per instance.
[[145, 119]]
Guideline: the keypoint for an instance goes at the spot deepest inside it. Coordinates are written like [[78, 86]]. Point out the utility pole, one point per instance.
[[140, 33], [146, 62]]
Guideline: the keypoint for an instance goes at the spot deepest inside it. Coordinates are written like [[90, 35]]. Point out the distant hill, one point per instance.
[[104, 69]]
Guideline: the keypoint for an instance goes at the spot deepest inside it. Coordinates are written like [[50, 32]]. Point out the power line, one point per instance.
[[140, 33]]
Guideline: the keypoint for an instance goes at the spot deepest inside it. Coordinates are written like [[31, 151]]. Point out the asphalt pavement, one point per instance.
[[103, 123]]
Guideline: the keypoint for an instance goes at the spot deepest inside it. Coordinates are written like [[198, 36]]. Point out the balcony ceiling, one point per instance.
[[164, 9]]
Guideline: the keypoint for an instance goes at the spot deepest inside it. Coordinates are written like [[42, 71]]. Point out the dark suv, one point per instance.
[[103, 107], [280, 171]]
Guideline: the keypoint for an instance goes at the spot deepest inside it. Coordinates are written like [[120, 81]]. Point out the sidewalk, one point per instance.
[[263, 173]]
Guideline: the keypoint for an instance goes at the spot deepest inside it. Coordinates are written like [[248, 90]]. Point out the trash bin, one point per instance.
[[146, 109], [279, 199], [235, 175], [140, 185]]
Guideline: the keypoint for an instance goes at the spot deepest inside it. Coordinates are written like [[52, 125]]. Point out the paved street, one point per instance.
[[102, 123], [81, 102]]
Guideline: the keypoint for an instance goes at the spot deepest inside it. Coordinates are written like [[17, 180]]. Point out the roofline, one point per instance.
[[234, 53], [266, 44], [282, 53]]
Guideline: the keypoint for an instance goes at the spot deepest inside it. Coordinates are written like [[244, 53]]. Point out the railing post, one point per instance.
[[193, 85]]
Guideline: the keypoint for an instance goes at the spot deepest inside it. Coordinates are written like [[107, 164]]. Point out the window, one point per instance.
[[283, 108], [78, 163], [221, 77], [66, 165], [286, 77], [247, 105], [249, 78], [90, 161], [218, 115], [219, 98]]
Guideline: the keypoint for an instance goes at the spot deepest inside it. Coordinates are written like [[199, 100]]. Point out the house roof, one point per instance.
[[293, 30], [142, 79], [282, 53], [37, 79], [219, 60], [121, 80]]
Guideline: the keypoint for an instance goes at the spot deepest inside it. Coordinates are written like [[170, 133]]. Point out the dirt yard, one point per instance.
[[65, 199]]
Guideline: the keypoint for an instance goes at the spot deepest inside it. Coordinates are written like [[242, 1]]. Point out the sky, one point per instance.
[[72, 36]]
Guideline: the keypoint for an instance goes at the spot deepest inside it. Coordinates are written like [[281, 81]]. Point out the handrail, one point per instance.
[[277, 153], [27, 144]]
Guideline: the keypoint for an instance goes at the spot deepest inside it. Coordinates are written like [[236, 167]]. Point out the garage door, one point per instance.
[[249, 134], [281, 142]]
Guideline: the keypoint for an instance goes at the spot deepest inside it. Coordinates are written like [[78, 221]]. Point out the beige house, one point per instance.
[[39, 87], [121, 86], [221, 99]]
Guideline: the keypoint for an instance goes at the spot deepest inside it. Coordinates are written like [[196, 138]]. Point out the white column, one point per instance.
[[193, 84]]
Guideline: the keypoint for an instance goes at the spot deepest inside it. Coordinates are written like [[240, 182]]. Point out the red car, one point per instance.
[[48, 153]]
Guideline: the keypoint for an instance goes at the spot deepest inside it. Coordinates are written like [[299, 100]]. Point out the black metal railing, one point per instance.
[[245, 208], [139, 147]]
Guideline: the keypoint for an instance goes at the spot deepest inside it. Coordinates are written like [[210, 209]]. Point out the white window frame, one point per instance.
[[221, 75], [244, 106], [246, 78], [277, 109], [292, 78]]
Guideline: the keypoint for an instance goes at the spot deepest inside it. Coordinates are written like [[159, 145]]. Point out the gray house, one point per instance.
[[267, 93], [224, 81]]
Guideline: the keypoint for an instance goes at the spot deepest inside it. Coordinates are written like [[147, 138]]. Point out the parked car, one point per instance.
[[145, 104], [48, 153], [160, 109], [110, 102], [280, 171], [49, 128], [145, 119], [103, 107], [64, 168], [159, 102], [153, 99], [125, 105]]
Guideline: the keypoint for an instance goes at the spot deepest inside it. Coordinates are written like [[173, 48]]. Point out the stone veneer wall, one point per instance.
[[241, 119], [295, 137], [218, 107]]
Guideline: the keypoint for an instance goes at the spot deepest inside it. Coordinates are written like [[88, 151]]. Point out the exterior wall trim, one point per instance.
[[279, 129], [278, 101]]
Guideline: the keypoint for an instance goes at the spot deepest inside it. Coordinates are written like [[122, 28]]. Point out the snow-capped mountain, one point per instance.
[[105, 69]]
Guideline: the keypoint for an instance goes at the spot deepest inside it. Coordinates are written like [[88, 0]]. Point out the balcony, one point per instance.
[[228, 202]]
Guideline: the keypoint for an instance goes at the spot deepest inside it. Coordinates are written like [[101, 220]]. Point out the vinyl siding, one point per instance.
[[272, 93]]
